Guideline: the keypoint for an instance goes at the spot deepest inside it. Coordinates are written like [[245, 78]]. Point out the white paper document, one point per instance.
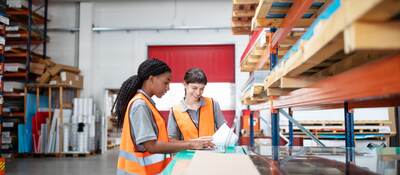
[[224, 136]]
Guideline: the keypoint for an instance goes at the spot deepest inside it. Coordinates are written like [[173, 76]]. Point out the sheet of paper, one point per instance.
[[224, 136], [211, 163]]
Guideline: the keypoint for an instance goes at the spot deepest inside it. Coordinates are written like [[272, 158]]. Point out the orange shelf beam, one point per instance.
[[376, 83], [15, 74], [13, 94]]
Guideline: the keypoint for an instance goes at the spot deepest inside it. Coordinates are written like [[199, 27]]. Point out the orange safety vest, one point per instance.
[[131, 161], [206, 121]]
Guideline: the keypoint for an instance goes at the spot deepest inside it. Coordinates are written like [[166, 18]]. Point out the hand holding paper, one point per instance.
[[201, 144], [224, 136]]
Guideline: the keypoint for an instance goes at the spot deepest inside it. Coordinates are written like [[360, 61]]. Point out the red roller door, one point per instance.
[[217, 61]]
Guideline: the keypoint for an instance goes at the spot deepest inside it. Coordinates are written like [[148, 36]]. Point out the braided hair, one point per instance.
[[130, 86]]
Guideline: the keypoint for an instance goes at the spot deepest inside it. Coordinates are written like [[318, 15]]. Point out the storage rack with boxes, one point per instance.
[[21, 36], [113, 132], [5, 128]]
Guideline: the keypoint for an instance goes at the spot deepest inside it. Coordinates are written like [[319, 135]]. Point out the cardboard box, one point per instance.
[[56, 78], [47, 62], [54, 70], [37, 68], [60, 67], [68, 78], [44, 78]]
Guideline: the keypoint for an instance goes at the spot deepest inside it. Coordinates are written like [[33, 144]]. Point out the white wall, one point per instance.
[[116, 55], [61, 47]]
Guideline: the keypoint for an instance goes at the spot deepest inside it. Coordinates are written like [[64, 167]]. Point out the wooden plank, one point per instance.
[[277, 22], [350, 61], [240, 24], [264, 60], [253, 60], [259, 52], [368, 35], [392, 119], [298, 82], [263, 8], [302, 63], [383, 11], [241, 18], [241, 30], [253, 47], [277, 92], [320, 45], [241, 2], [241, 13], [247, 67], [258, 89]]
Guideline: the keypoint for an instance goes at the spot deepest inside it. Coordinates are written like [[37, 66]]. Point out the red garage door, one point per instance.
[[217, 61]]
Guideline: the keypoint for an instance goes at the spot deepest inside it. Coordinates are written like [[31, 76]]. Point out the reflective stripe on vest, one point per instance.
[[141, 163], [186, 125], [120, 172]]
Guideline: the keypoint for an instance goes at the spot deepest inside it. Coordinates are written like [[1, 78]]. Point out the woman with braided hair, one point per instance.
[[144, 141]]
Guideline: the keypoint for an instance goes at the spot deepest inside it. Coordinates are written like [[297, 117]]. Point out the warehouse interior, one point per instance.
[[302, 86]]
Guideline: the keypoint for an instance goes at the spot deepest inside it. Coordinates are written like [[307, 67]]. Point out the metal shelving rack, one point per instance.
[[347, 58], [23, 35], [3, 22]]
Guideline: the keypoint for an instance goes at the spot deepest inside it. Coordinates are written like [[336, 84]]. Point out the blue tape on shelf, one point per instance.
[[317, 4], [335, 4], [281, 4]]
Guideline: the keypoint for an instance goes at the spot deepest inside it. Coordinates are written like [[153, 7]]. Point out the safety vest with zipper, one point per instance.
[[186, 125]]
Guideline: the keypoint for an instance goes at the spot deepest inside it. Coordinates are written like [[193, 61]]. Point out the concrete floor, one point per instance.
[[100, 165]]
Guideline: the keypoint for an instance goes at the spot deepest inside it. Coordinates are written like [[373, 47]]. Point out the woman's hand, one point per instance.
[[205, 138], [201, 144]]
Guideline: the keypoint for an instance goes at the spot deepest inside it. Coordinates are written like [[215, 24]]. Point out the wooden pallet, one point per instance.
[[271, 13], [346, 38], [328, 123], [255, 50], [257, 57], [253, 89], [249, 98], [242, 13], [336, 131]]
